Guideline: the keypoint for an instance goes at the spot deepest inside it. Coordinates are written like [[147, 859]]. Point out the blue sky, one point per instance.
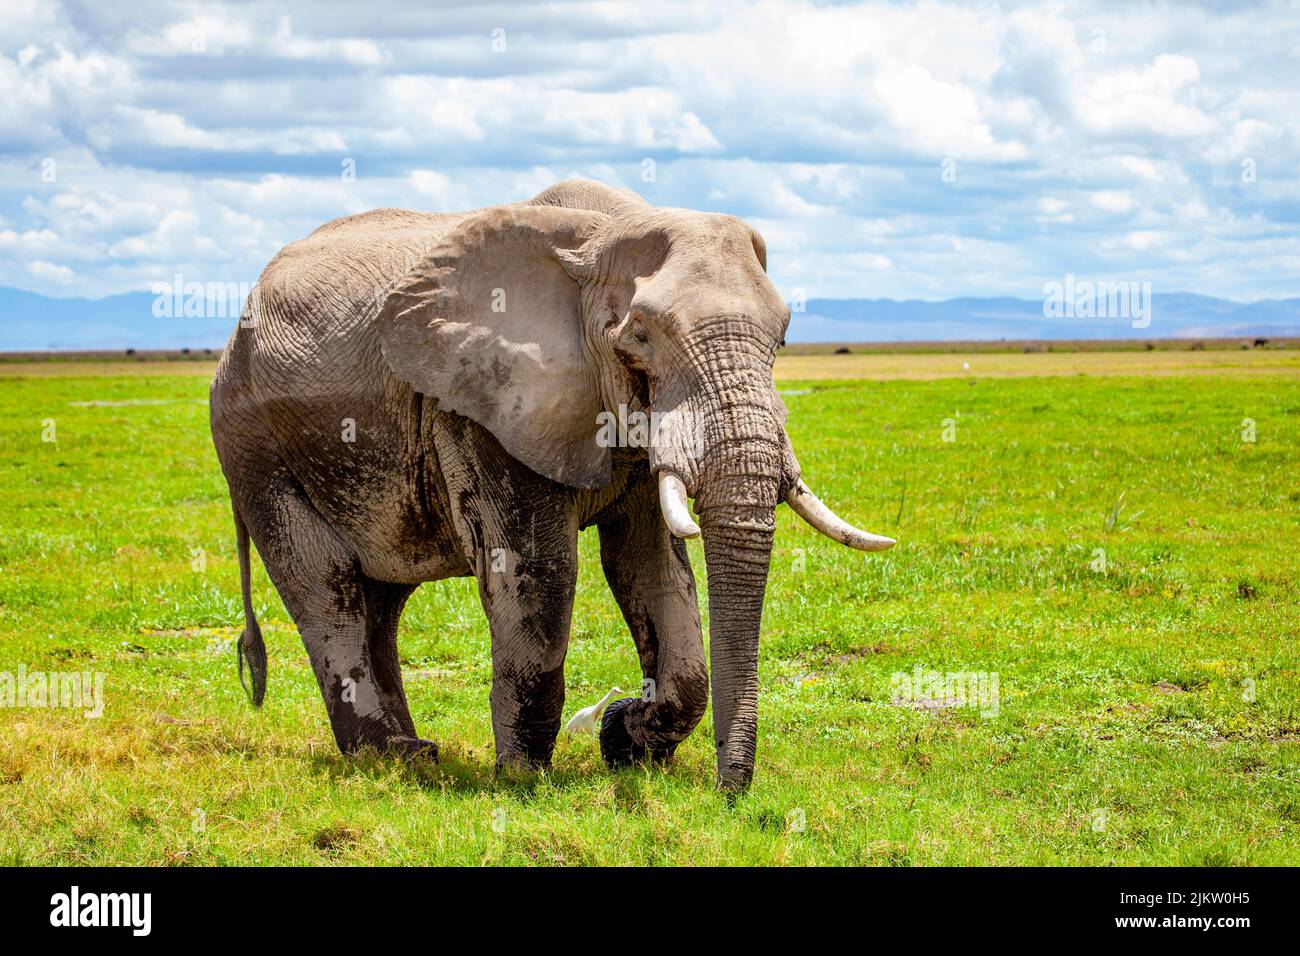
[[922, 150]]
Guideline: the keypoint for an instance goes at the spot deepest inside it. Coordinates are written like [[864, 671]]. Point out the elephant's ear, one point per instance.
[[490, 324], [760, 247]]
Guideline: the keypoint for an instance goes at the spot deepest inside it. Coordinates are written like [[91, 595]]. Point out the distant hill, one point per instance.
[[1173, 315], [31, 322]]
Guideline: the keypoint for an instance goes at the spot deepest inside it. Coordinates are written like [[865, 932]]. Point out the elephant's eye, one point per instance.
[[639, 333]]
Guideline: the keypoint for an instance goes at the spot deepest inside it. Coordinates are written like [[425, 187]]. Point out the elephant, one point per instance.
[[411, 396]]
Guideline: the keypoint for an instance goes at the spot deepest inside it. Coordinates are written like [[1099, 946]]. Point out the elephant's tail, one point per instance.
[[251, 647]]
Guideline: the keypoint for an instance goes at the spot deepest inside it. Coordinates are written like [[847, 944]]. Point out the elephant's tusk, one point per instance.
[[672, 502], [809, 507]]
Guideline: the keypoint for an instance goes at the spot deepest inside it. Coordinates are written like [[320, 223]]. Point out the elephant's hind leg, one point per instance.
[[384, 604], [348, 623]]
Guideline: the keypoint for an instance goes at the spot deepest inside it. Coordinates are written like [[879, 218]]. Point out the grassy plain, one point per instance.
[[795, 364], [1100, 537]]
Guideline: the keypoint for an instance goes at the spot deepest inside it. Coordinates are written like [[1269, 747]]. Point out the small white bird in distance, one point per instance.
[[587, 720]]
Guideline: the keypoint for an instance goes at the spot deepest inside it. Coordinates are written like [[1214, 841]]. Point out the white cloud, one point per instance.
[[1112, 200], [133, 126], [939, 118], [50, 272], [1143, 239], [229, 35], [1086, 138], [1159, 99]]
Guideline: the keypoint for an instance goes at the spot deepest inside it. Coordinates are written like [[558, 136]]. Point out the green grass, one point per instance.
[[1123, 734]]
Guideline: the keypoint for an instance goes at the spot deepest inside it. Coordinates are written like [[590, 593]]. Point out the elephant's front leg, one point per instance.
[[650, 575], [520, 532], [527, 590]]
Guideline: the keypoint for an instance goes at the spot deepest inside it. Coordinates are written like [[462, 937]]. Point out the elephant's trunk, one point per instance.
[[739, 488], [737, 549]]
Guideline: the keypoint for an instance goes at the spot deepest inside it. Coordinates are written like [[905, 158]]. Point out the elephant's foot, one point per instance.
[[395, 745], [616, 744], [412, 748], [516, 769]]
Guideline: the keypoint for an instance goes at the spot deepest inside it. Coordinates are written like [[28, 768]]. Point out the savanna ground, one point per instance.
[[1099, 536]]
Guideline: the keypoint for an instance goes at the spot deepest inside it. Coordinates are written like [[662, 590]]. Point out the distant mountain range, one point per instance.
[[1172, 315], [30, 322]]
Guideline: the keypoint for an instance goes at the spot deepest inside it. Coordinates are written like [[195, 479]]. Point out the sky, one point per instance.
[[924, 150]]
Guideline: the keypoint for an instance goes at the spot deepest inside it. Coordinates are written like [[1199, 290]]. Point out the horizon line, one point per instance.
[[810, 298]]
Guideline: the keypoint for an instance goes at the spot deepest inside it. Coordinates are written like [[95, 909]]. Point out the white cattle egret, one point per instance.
[[587, 720]]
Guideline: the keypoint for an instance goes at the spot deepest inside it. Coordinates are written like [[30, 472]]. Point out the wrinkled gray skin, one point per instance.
[[473, 351]]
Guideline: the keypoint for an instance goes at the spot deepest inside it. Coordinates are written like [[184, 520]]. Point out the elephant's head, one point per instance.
[[540, 322]]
